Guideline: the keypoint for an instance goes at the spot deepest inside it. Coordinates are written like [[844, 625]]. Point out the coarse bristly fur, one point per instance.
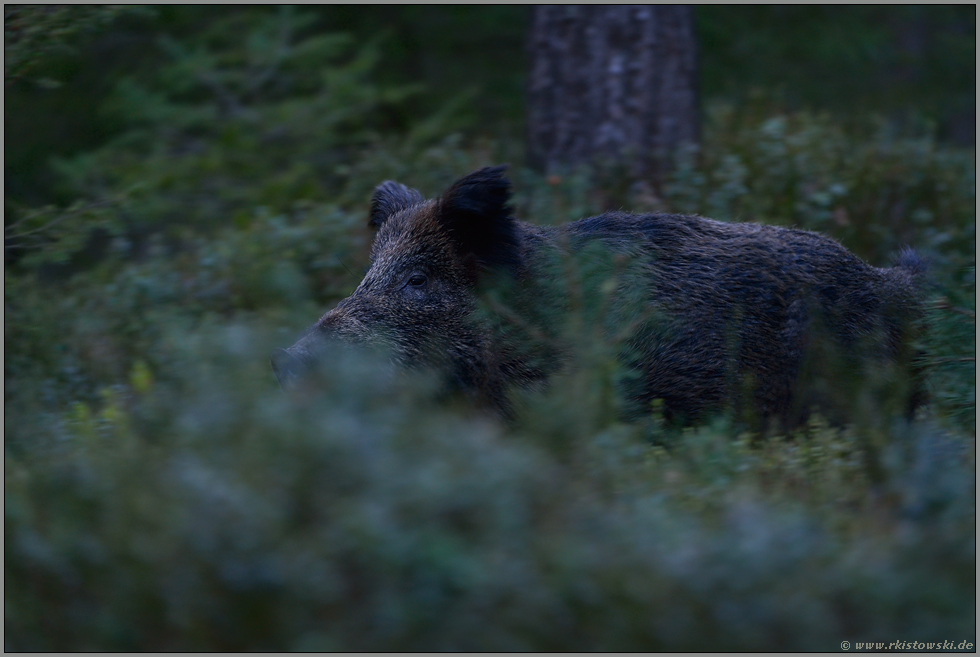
[[742, 302]]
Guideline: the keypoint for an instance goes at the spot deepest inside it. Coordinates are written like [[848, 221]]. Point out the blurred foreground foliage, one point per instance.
[[161, 493]]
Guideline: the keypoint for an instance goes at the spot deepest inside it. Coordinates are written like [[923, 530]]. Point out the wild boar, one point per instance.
[[734, 308]]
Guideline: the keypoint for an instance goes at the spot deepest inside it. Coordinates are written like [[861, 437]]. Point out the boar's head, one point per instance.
[[418, 294]]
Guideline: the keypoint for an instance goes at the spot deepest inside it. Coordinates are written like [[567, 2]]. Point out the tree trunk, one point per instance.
[[611, 85]]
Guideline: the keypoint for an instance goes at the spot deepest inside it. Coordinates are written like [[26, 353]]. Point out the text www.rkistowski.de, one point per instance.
[[908, 645]]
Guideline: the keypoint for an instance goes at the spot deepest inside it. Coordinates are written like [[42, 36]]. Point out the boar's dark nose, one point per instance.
[[287, 368]]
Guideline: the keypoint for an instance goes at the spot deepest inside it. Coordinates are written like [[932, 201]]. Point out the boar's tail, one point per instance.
[[910, 261]]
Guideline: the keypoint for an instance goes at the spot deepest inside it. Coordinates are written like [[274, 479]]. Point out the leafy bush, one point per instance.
[[161, 493], [205, 510]]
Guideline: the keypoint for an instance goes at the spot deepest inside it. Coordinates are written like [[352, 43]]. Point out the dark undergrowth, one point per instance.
[[162, 493]]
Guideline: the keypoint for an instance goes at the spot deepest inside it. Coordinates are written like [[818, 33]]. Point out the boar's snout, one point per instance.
[[295, 363], [288, 368]]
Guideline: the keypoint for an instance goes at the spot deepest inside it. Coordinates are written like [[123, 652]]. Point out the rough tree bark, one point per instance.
[[611, 84]]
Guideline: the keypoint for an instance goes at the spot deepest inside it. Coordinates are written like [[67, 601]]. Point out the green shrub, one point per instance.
[[201, 509]]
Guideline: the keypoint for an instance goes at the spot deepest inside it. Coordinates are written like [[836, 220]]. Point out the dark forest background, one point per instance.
[[912, 65], [186, 187]]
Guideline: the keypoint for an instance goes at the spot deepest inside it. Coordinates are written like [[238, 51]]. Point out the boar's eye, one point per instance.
[[417, 281]]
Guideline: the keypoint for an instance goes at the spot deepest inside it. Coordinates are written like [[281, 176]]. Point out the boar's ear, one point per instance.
[[389, 197], [476, 213]]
